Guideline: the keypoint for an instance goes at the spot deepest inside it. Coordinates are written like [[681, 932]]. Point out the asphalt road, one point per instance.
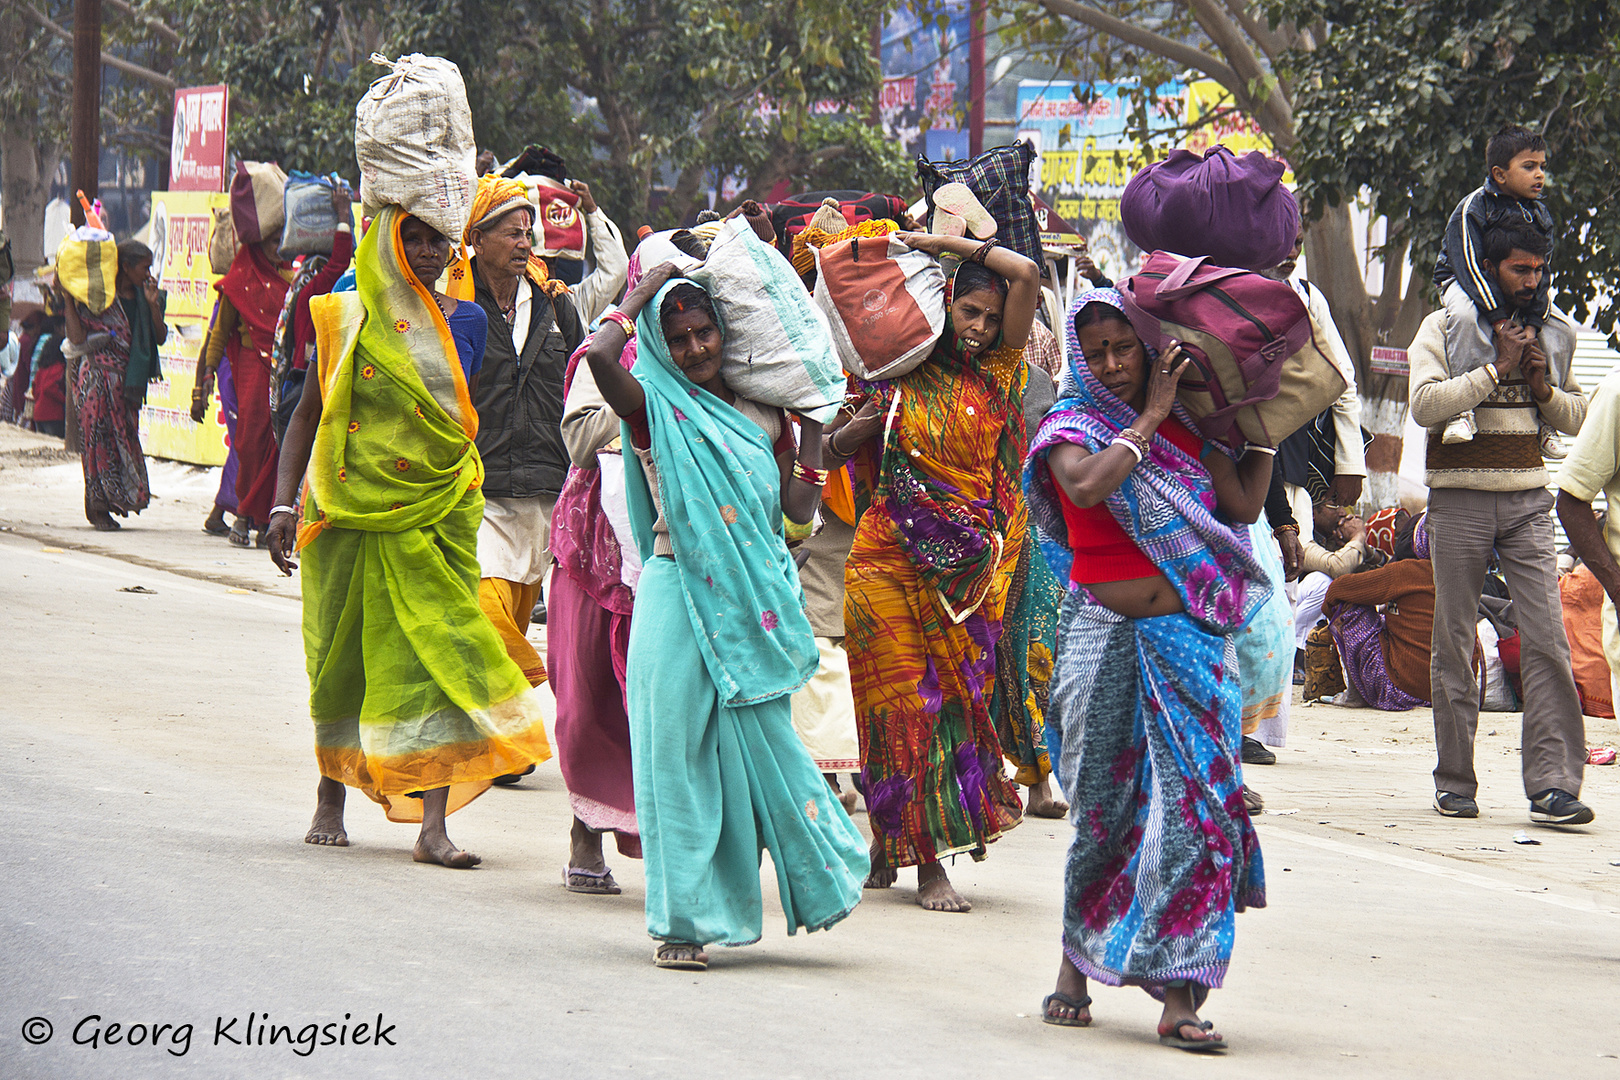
[[157, 777]]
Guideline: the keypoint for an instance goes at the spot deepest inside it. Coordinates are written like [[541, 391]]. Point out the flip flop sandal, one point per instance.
[[659, 960], [240, 539], [1064, 999], [221, 529], [1193, 1046], [959, 199], [511, 778], [604, 883]]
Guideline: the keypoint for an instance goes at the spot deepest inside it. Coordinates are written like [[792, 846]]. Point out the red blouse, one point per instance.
[[1103, 551]]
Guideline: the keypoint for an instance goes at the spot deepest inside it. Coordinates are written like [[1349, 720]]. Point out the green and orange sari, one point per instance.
[[410, 687]]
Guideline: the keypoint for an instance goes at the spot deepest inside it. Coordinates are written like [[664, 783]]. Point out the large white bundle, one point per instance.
[[413, 136], [778, 348]]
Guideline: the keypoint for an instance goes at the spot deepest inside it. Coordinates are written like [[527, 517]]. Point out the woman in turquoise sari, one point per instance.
[[719, 639]]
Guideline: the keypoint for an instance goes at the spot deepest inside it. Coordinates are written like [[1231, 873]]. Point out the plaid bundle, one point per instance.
[[998, 178]]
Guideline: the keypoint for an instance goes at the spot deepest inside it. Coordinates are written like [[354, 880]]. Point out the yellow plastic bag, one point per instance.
[[88, 271]]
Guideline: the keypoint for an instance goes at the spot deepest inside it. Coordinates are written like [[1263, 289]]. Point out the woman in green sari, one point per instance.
[[414, 698], [719, 639]]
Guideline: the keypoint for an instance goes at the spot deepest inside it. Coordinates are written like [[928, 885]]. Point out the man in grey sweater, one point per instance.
[[1488, 495]]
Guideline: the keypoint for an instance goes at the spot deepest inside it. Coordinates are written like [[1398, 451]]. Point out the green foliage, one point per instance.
[[636, 95], [1400, 97]]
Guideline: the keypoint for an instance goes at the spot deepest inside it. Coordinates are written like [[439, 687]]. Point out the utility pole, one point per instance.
[[86, 103], [976, 79]]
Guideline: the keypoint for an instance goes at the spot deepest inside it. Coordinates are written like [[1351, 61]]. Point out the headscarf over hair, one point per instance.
[[1166, 505], [496, 197], [722, 501], [1420, 536]]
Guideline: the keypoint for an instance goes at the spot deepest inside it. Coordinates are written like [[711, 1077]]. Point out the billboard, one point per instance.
[[197, 142], [926, 78], [181, 221]]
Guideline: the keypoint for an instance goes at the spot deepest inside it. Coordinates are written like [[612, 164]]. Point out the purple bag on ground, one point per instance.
[[1233, 209]]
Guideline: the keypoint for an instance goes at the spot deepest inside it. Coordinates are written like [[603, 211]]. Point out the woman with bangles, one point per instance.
[[1148, 524], [940, 450], [719, 640]]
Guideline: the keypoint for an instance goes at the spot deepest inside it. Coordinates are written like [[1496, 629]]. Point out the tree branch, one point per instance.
[[1267, 106], [1169, 48], [162, 82], [157, 26]]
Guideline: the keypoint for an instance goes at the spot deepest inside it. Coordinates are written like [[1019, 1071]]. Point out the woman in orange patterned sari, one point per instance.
[[928, 576]]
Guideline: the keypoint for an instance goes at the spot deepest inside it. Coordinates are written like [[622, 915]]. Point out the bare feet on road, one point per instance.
[[935, 892], [327, 828]]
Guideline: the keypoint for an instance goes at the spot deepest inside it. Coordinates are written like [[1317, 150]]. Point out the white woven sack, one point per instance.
[[778, 348], [882, 313], [413, 136]]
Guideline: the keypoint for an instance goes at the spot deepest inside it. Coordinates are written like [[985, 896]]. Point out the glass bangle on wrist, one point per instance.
[[626, 323], [274, 510], [814, 477]]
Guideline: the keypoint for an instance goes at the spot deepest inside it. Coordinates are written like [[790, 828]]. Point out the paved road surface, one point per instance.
[[156, 774]]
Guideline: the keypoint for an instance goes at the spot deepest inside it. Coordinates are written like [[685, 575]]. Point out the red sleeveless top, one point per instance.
[[1103, 551]]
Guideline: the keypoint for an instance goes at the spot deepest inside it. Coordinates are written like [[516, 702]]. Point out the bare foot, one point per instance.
[[845, 798], [439, 849], [934, 890], [1043, 804], [882, 874], [433, 845], [327, 828], [1180, 1023], [1072, 985], [682, 956]]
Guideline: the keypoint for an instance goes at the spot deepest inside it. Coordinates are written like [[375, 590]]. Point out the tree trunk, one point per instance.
[[25, 175]]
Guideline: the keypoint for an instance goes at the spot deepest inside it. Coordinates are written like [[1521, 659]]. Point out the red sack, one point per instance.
[[1508, 649], [791, 215], [884, 302], [1258, 372], [561, 226]]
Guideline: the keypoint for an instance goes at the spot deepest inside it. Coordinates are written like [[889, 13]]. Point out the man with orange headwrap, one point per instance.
[[533, 328]]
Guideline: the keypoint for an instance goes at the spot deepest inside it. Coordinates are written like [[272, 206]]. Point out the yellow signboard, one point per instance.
[[1234, 130], [181, 221]]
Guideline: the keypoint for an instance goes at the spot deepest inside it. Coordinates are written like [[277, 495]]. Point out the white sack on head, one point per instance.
[[778, 347], [413, 136]]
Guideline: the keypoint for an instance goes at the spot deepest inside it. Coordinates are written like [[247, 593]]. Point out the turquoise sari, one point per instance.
[[718, 643]]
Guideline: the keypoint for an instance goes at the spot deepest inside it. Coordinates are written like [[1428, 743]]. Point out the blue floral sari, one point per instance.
[[1145, 717]]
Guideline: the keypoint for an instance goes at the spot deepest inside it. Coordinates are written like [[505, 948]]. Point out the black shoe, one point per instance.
[[1252, 802], [1255, 752], [538, 615], [511, 778], [1451, 804], [1556, 807]]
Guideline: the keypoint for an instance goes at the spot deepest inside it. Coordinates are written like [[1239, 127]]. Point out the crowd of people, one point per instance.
[[939, 595]]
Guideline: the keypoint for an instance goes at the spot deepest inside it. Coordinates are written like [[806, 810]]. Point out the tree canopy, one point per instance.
[[640, 97], [1399, 97]]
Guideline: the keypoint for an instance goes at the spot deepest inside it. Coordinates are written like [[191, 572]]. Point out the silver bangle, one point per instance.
[[274, 510], [1252, 449]]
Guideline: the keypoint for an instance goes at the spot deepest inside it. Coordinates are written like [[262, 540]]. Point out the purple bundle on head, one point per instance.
[[1233, 209]]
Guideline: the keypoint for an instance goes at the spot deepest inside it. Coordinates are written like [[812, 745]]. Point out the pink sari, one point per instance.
[[587, 643]]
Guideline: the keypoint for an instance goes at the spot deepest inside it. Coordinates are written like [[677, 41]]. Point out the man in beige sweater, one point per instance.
[[1491, 494]]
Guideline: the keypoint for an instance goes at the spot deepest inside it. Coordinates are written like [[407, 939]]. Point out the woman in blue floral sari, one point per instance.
[[1133, 510]]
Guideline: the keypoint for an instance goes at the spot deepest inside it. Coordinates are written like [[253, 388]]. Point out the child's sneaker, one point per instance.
[[1552, 446], [1460, 428]]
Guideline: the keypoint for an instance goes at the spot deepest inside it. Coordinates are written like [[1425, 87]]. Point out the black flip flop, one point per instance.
[[1064, 999], [1193, 1046]]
